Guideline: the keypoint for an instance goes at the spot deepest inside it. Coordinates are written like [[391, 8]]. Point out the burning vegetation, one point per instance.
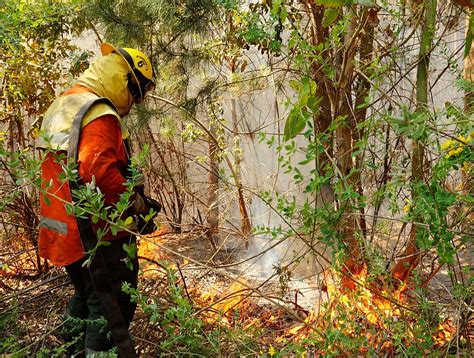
[[344, 127], [370, 318], [190, 306]]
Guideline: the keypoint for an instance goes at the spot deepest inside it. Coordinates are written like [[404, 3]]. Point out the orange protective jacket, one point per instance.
[[101, 155]]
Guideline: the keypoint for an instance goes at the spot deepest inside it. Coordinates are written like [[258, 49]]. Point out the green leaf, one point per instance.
[[308, 86], [330, 3], [294, 124], [313, 103], [88, 262], [469, 36], [131, 250], [294, 84], [330, 15], [128, 221], [100, 233]]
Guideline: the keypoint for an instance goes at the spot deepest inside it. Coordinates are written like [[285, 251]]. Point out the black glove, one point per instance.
[[153, 204]]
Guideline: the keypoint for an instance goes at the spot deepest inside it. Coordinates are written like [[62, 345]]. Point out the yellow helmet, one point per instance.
[[140, 79]]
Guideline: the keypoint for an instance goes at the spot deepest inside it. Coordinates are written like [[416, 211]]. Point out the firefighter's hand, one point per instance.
[[139, 205], [153, 204]]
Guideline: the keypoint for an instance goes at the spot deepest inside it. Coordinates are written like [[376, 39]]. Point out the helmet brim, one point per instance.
[[106, 49]]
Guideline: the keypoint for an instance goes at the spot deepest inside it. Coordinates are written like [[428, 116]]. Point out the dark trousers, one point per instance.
[[85, 315]]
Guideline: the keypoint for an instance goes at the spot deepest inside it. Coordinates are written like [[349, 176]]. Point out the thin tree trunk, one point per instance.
[[344, 140], [468, 75], [370, 21], [323, 118], [336, 101], [411, 256], [212, 194], [245, 226]]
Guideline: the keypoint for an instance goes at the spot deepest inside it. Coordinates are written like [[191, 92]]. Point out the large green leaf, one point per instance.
[[295, 123], [330, 15]]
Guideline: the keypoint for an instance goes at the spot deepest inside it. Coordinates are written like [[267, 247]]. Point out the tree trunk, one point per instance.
[[411, 256], [370, 21], [336, 102], [345, 133], [468, 75], [212, 193], [323, 118], [245, 226]]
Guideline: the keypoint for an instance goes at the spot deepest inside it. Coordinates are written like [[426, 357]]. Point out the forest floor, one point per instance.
[[226, 289], [32, 305]]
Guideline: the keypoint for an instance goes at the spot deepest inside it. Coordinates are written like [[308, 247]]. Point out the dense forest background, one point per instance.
[[314, 160]]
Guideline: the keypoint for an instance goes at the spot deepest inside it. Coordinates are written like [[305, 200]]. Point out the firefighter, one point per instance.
[[98, 100]]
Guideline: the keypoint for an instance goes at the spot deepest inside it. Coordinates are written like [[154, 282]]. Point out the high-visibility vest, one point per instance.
[[59, 238], [57, 121]]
